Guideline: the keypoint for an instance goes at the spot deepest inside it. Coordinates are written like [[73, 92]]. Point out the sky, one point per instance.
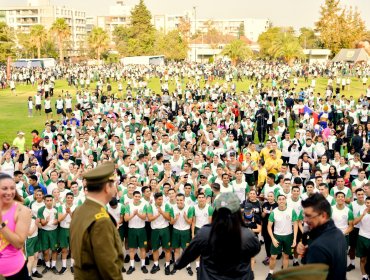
[[296, 13]]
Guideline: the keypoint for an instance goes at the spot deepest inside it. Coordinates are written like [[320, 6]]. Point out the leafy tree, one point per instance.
[[339, 27], [237, 51], [120, 38], [241, 31], [141, 35], [172, 45], [184, 28], [6, 42], [62, 32], [98, 41], [38, 37], [307, 38], [280, 43]]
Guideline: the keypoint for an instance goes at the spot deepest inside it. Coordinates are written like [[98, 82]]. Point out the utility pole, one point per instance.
[[195, 32]]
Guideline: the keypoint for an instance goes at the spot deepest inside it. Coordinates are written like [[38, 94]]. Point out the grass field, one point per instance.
[[14, 113]]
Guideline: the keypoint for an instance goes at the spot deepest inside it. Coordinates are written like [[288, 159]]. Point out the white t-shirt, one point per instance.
[[283, 220], [341, 217]]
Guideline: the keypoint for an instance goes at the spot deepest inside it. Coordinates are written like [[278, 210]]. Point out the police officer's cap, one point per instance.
[[100, 174]]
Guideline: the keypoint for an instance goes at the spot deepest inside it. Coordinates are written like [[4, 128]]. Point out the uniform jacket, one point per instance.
[[95, 243]]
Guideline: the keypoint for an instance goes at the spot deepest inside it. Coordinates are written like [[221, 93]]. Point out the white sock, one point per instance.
[[132, 263], [295, 260], [156, 263], [53, 263], [143, 262], [33, 269], [167, 264], [72, 262], [188, 266], [365, 276], [196, 263], [47, 264], [352, 262], [271, 271], [64, 263]]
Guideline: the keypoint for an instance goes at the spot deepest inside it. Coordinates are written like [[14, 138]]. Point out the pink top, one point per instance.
[[11, 259]]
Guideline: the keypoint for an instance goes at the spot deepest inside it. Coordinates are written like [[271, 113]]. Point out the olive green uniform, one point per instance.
[[95, 243]]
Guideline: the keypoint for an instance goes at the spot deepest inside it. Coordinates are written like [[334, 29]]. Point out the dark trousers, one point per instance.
[[267, 239], [261, 133]]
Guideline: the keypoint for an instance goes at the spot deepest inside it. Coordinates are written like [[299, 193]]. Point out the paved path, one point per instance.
[[260, 272]]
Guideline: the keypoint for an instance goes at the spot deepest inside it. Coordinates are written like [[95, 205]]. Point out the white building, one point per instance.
[[317, 55], [22, 18]]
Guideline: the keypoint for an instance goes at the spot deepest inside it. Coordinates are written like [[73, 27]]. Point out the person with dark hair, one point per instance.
[[282, 228], [15, 220], [95, 243], [226, 246], [327, 242], [159, 217]]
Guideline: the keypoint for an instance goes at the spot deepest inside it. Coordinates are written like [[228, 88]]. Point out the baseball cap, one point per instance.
[[229, 201], [248, 207]]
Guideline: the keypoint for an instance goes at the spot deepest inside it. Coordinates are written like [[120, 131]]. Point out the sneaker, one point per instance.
[[269, 276], [167, 270], [173, 271], [190, 272], [130, 270], [39, 262], [37, 274], [266, 261], [46, 269], [155, 269], [350, 267], [72, 270], [295, 263], [262, 242], [62, 271], [137, 259], [127, 259], [123, 269], [144, 269], [54, 270], [146, 261]]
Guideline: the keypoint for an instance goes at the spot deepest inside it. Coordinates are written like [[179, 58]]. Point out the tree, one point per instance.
[[62, 32], [38, 37], [172, 45], [241, 30], [280, 43], [237, 51], [141, 35], [98, 41], [121, 35], [307, 38], [339, 27], [184, 28], [6, 42]]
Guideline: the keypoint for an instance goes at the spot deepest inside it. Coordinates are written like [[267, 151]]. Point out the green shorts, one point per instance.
[[363, 247], [64, 237], [285, 245], [180, 238], [249, 178], [32, 246], [161, 238], [49, 240], [137, 238]]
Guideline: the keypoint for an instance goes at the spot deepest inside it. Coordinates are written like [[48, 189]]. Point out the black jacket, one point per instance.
[[328, 246], [199, 246], [357, 143]]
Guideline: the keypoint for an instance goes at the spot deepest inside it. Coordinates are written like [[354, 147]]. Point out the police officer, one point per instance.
[[95, 242], [261, 118]]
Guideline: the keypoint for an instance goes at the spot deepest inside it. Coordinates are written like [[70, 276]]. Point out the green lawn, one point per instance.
[[14, 114]]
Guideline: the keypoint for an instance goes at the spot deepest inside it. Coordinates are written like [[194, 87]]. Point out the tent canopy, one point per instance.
[[351, 55]]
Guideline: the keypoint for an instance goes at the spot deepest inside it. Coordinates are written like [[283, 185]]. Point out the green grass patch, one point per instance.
[[14, 113]]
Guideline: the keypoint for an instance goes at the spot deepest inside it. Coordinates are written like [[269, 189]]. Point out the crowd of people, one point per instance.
[[273, 144]]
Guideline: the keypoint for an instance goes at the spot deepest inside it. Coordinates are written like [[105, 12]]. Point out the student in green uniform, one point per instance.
[[32, 248], [159, 217], [135, 215], [284, 236], [49, 233], [65, 217]]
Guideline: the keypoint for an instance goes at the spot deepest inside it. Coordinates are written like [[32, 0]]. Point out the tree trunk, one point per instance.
[[60, 44]]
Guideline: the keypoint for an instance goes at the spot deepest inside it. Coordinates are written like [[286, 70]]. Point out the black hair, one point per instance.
[[158, 195], [318, 203], [225, 238]]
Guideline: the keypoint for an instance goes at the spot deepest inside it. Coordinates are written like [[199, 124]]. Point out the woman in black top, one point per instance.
[[267, 208], [332, 177]]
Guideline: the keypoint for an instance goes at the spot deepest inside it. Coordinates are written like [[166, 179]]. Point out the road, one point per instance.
[[260, 272]]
